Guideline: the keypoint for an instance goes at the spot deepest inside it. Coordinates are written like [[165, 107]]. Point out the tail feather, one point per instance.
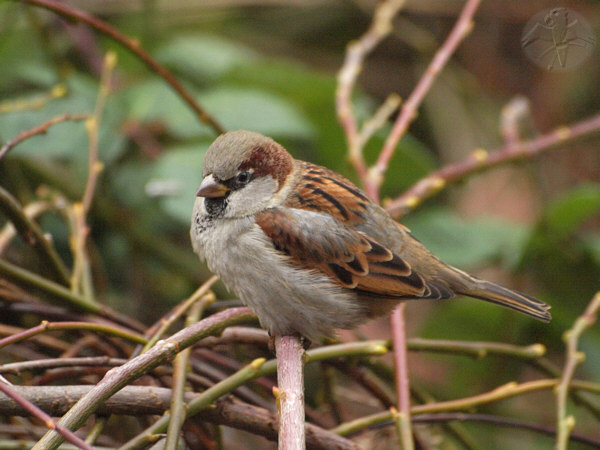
[[516, 300]]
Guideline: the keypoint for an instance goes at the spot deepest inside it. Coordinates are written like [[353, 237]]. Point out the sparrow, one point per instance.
[[308, 251]]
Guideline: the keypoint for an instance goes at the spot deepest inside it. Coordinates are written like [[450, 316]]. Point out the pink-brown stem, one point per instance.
[[408, 112], [37, 412], [481, 159], [40, 129], [401, 364], [355, 56], [290, 392]]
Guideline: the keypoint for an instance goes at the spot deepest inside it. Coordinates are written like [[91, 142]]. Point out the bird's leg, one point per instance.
[[306, 342]]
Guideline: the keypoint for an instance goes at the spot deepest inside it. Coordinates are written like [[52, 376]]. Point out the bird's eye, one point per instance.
[[243, 177]]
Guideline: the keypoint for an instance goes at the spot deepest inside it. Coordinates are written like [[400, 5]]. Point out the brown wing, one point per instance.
[[323, 190], [350, 258]]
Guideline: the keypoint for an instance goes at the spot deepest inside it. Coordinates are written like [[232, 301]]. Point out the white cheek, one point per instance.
[[252, 198]]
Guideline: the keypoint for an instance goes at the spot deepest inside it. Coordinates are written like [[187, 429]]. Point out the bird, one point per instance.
[[308, 251]]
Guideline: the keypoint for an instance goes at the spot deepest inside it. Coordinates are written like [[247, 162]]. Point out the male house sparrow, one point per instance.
[[308, 251]]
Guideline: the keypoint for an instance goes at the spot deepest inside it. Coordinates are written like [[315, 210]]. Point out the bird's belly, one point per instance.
[[286, 298]]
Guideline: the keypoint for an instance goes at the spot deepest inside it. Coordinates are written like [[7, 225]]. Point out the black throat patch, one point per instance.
[[215, 207]]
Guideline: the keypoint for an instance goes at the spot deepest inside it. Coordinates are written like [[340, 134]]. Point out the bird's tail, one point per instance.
[[494, 293]]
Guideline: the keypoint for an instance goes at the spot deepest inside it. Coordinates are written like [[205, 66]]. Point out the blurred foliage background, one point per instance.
[[271, 66]]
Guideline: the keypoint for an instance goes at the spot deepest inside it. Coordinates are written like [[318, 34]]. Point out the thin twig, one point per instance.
[[199, 403], [31, 211], [61, 326], [481, 159], [145, 400], [477, 349], [503, 392], [500, 421], [42, 340], [81, 282], [180, 366], [119, 377], [132, 46], [45, 418], [566, 423], [158, 331], [290, 392], [33, 235], [62, 294], [40, 129], [356, 53], [462, 28], [37, 102], [45, 364], [96, 430]]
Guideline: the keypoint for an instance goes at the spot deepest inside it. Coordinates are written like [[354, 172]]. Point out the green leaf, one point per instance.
[[592, 243], [128, 183], [565, 214], [257, 110], [202, 57], [177, 174], [17, 70], [467, 243], [293, 81], [154, 100], [564, 261], [412, 161]]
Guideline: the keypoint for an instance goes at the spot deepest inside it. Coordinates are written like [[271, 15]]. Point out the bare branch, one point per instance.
[[33, 235], [461, 29], [40, 129], [574, 357], [41, 415], [482, 160], [356, 53]]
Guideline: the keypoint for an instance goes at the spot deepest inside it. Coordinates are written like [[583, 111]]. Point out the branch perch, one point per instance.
[[290, 392]]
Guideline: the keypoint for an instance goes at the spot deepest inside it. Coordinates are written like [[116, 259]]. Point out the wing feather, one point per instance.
[[350, 258]]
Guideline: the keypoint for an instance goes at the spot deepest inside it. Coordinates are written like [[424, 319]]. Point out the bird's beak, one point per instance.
[[211, 188]]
